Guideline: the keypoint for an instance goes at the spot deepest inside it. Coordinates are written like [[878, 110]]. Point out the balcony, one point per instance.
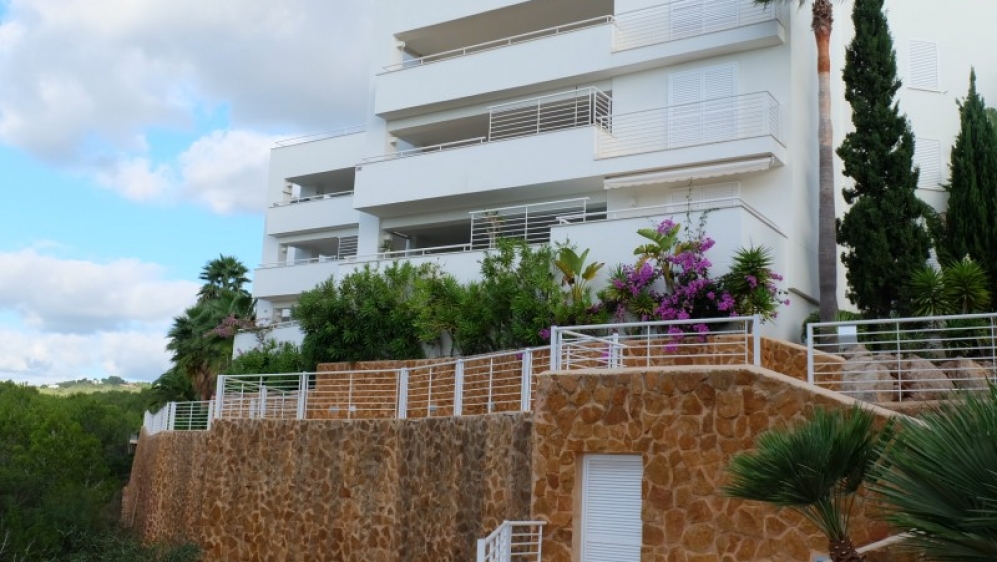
[[316, 154], [583, 51], [312, 214], [562, 162]]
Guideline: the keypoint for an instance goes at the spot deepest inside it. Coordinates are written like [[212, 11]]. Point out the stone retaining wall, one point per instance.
[[361, 490], [687, 424]]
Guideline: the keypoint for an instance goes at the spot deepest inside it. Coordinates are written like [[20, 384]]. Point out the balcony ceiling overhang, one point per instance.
[[687, 173]]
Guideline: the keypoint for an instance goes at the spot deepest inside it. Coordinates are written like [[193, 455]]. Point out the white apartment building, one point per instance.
[[584, 120]]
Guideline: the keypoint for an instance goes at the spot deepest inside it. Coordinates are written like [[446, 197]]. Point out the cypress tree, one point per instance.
[[970, 224], [884, 232]]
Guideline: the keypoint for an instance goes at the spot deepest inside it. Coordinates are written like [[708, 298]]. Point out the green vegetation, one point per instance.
[[63, 462], [816, 469], [884, 232], [201, 338], [939, 482], [971, 220]]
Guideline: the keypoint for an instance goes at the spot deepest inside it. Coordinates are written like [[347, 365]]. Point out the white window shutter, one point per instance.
[[923, 65], [687, 18], [928, 157], [719, 15], [611, 508]]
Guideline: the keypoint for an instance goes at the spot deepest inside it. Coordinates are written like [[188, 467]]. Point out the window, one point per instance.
[[928, 157], [923, 66]]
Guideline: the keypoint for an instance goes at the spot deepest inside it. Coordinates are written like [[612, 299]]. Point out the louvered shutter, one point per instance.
[[611, 507], [923, 65], [928, 157], [685, 124], [719, 15], [687, 18], [719, 109]]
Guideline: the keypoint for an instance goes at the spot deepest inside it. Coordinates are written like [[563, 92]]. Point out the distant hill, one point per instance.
[[88, 386]]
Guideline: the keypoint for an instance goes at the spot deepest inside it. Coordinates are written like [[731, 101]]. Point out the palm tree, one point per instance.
[[225, 273], [827, 245], [815, 469], [939, 480]]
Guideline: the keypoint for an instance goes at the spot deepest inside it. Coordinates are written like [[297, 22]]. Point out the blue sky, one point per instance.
[[134, 138]]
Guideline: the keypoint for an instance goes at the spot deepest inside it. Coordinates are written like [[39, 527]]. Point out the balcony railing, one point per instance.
[[706, 122], [680, 19], [553, 112], [499, 43], [311, 198], [565, 110], [531, 223], [351, 130], [513, 541]]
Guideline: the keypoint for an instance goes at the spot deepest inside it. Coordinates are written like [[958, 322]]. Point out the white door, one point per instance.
[[611, 524]]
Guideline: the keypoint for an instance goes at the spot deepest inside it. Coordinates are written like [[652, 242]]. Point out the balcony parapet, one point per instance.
[[312, 198]]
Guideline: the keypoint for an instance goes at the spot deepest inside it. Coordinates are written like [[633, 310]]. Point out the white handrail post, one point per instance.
[[614, 349], [555, 349], [757, 337], [458, 388], [302, 396], [211, 412], [810, 353], [220, 395], [526, 388], [171, 418], [482, 547], [263, 402], [402, 393]]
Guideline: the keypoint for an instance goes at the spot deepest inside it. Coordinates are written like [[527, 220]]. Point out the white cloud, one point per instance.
[[85, 78], [44, 358], [137, 179], [227, 171], [75, 296]]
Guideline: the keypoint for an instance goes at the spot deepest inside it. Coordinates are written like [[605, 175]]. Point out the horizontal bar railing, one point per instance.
[[500, 43], [422, 150], [708, 341], [531, 223], [180, 416], [312, 198], [345, 131], [681, 19], [553, 112], [513, 541], [903, 359], [693, 124]]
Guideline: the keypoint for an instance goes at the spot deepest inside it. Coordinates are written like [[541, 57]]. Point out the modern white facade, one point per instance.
[[584, 120]]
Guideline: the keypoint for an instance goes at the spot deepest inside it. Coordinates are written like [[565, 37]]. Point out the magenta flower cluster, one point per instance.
[[229, 326]]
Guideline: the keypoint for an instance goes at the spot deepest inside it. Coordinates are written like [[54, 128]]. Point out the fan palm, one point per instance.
[[225, 273], [815, 469], [827, 259], [940, 480]]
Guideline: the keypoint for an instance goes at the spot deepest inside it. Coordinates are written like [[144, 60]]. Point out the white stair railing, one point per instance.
[[513, 541]]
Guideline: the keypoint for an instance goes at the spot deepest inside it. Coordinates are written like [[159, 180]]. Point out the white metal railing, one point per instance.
[[680, 19], [668, 209], [351, 130], [180, 416], [348, 246], [422, 150], [548, 113], [563, 110], [531, 223], [692, 124], [500, 382], [709, 341], [500, 43], [899, 359], [311, 198], [513, 541]]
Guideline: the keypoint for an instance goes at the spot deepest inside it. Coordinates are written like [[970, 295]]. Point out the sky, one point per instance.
[[134, 143]]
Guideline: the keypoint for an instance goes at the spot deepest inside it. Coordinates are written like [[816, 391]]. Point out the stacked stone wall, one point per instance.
[[687, 424], [358, 490]]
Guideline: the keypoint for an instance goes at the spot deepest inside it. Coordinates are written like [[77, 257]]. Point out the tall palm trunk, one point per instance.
[[844, 551], [827, 245]]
